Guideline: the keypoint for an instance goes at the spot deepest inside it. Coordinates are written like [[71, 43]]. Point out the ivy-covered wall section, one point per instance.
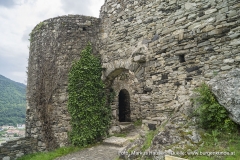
[[87, 103]]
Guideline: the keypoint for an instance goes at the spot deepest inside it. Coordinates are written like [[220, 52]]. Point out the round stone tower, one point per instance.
[[55, 44]]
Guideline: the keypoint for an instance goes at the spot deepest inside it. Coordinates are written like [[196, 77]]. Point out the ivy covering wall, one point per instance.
[[87, 104]]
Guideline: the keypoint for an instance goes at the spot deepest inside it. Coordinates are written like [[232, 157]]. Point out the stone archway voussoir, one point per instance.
[[117, 64]]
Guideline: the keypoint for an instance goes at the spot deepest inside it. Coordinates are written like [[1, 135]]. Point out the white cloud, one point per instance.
[[94, 7], [19, 17]]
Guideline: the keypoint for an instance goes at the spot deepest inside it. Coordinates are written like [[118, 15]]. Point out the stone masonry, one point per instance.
[[55, 44], [169, 47], [156, 50], [16, 148]]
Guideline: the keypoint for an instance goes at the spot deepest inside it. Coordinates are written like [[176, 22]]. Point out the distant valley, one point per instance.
[[12, 102]]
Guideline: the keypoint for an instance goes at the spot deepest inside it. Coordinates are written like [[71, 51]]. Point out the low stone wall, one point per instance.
[[14, 149]]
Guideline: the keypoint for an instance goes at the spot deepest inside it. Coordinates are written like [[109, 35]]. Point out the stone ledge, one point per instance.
[[116, 141]]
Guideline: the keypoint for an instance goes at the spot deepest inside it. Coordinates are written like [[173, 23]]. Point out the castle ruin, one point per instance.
[[154, 53]]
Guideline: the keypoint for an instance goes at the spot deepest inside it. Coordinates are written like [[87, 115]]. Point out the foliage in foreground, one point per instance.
[[87, 104], [138, 123], [220, 134], [216, 141], [211, 114]]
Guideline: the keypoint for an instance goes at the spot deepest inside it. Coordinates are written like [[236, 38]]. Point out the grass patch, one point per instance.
[[138, 123], [117, 158], [123, 134], [221, 135], [222, 142], [150, 135], [53, 154], [148, 141]]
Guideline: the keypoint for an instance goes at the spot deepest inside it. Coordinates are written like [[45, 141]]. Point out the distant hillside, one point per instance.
[[12, 102]]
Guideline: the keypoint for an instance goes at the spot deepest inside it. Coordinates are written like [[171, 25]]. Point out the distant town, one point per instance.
[[10, 132]]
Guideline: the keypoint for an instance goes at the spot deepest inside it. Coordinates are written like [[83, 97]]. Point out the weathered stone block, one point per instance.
[[140, 58], [152, 126], [6, 158], [147, 89], [204, 43], [237, 59], [191, 69], [235, 42], [114, 129], [155, 37], [210, 11], [226, 68], [228, 60], [189, 5]]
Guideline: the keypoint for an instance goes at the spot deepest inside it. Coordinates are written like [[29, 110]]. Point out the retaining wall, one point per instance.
[[14, 149]]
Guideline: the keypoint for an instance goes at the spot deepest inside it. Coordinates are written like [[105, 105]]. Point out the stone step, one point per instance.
[[116, 141], [124, 123], [123, 141], [126, 126]]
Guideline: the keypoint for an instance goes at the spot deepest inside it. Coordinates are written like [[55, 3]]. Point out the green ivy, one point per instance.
[[212, 115], [87, 104], [112, 96]]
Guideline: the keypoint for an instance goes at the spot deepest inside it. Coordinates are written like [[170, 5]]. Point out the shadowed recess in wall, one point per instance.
[[110, 78], [124, 106]]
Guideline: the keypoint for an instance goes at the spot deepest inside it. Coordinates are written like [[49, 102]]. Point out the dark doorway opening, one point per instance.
[[124, 106]]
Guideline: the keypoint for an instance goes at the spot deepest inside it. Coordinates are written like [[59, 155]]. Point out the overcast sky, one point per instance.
[[19, 17]]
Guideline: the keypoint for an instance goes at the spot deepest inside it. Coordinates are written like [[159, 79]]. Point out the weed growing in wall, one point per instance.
[[87, 104], [38, 27], [211, 114]]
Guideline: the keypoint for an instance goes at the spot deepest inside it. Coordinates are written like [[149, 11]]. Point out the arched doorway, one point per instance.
[[124, 106]]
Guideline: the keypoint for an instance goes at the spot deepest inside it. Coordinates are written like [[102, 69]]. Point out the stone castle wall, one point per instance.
[[157, 50], [170, 47]]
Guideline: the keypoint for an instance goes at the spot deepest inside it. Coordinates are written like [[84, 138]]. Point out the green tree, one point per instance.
[[12, 102], [90, 114]]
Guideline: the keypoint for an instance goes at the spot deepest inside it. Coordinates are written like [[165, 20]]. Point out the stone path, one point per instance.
[[100, 152], [108, 150]]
